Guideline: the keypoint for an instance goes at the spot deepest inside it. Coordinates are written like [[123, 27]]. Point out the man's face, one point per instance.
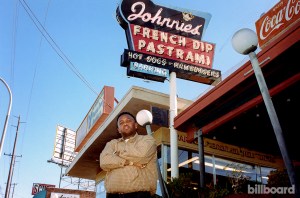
[[127, 126]]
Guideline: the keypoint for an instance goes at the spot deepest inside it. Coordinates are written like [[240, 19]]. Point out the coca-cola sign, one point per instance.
[[276, 20]]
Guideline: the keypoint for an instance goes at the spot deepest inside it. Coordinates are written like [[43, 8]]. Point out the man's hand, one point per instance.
[[140, 165], [129, 163]]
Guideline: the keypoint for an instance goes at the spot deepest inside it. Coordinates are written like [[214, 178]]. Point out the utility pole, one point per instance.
[[13, 167], [12, 162]]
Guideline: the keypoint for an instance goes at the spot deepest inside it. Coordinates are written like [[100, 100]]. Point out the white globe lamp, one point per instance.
[[144, 117], [244, 41]]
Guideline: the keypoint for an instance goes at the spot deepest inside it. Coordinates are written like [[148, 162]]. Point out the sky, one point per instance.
[[58, 59]]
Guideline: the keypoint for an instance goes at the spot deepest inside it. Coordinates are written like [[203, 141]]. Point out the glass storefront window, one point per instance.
[[188, 161]]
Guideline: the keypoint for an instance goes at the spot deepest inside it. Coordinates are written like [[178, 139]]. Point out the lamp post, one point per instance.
[[7, 116], [144, 118], [245, 42]]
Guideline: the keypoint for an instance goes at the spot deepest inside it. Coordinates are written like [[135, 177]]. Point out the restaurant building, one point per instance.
[[233, 112]]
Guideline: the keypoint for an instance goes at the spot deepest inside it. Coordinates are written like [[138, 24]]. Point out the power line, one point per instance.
[[35, 68], [15, 22], [56, 48], [54, 45], [35, 71]]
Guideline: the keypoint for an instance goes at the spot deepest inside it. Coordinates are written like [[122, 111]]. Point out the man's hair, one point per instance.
[[125, 113]]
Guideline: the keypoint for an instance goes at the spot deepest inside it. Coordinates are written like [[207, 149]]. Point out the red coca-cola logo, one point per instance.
[[280, 17]]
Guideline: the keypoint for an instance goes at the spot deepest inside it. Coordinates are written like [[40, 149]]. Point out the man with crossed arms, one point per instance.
[[130, 162]]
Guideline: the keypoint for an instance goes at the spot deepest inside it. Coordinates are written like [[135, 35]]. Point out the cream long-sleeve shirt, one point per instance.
[[121, 178]]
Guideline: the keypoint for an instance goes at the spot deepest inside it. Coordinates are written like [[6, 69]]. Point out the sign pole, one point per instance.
[[173, 132]]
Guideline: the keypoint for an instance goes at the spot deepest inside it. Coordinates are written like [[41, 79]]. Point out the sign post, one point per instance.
[[173, 132]]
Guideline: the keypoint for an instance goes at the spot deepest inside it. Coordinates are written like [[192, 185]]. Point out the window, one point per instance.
[[188, 161]]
